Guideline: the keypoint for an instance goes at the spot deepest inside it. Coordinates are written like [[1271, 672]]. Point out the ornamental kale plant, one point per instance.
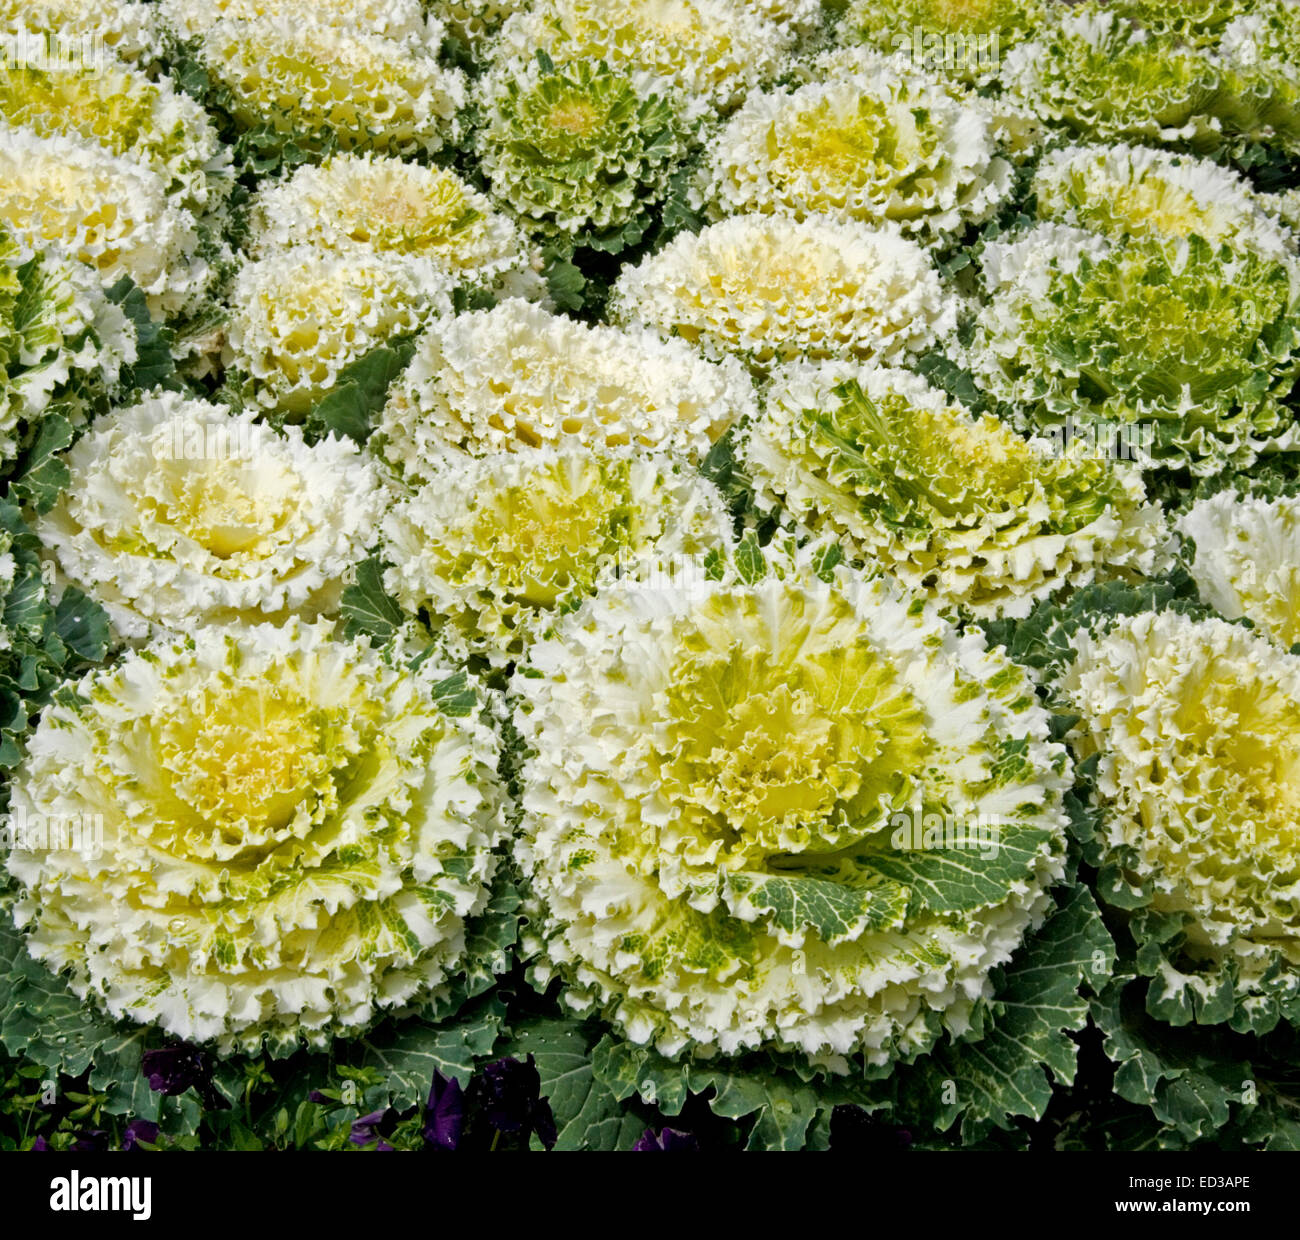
[[650, 575]]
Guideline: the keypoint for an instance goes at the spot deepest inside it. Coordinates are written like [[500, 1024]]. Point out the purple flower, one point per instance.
[[90, 1141], [668, 1141], [174, 1069], [512, 1099], [373, 1128], [140, 1130], [41, 1144], [445, 1113], [318, 1097]]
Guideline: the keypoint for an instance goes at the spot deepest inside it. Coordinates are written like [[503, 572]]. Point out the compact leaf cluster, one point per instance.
[[656, 574]]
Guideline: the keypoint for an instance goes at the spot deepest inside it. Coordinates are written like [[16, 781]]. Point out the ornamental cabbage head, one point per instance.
[[114, 213], [313, 73], [474, 22], [1263, 38], [712, 51], [580, 151], [805, 18], [1283, 206], [1200, 23], [514, 378], [967, 38], [497, 547], [1262, 47], [961, 509], [1104, 79], [1198, 342], [1017, 132], [8, 567], [179, 513], [128, 29], [302, 315], [60, 338], [1133, 191], [1196, 728], [403, 20], [726, 790], [773, 289], [127, 113], [427, 217], [294, 832], [876, 145], [1247, 560]]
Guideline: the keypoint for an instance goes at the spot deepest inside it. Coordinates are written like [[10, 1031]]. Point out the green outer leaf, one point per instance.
[[566, 284], [942, 372], [153, 366], [362, 387], [789, 1112], [455, 696], [43, 1021], [41, 475], [47, 645], [1042, 639], [366, 609], [836, 911], [490, 940], [1191, 1083], [82, 625], [948, 879], [409, 1052], [825, 560], [1036, 1003], [587, 1113], [750, 564], [27, 608]]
